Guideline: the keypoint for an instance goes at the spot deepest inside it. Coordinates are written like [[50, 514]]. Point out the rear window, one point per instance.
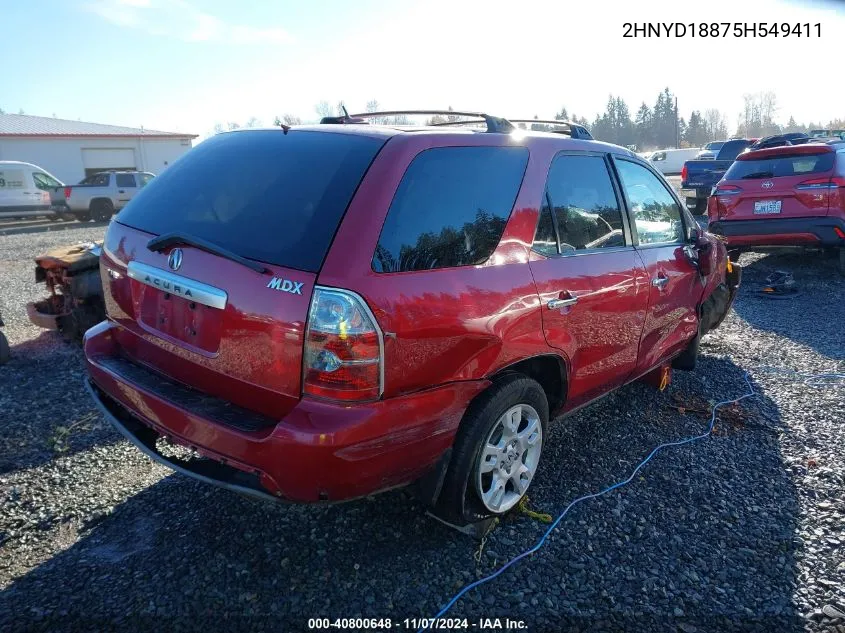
[[265, 195], [451, 208], [125, 180], [732, 149], [781, 165]]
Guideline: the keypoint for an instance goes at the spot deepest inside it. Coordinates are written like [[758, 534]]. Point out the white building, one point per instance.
[[72, 150]]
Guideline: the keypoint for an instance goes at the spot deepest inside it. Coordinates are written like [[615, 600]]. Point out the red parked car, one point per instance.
[[329, 311], [783, 196]]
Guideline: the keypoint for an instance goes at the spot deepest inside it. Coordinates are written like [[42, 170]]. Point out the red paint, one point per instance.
[[446, 333], [775, 239]]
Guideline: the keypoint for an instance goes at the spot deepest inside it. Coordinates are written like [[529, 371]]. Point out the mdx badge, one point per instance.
[[286, 285]]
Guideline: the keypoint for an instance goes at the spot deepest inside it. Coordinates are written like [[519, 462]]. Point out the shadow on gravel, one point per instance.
[[45, 409], [49, 227], [702, 540], [812, 317]]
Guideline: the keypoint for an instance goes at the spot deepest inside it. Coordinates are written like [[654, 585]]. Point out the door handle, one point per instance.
[[556, 304], [660, 282]]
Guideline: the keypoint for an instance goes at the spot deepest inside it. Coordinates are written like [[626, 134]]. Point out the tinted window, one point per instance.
[[545, 239], [656, 215], [584, 204], [145, 178], [781, 165], [100, 179], [45, 182], [274, 197], [450, 208], [731, 150], [125, 180]]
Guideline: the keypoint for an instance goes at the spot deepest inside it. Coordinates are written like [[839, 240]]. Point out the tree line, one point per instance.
[[652, 126]]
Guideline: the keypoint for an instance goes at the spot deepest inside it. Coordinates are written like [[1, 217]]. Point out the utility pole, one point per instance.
[[677, 125]]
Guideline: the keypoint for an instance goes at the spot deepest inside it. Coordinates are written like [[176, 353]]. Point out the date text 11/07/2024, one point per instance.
[[415, 624], [721, 29]]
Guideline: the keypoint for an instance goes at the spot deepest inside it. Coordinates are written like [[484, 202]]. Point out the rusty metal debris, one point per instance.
[[72, 277]]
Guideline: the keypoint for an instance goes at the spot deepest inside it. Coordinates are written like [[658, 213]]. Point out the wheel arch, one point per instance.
[[551, 371], [95, 201]]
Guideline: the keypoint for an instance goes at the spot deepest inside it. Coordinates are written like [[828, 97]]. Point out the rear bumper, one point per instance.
[[320, 451], [820, 231], [696, 192]]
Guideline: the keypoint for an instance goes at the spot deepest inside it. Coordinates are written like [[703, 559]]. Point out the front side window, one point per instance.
[[583, 203], [145, 178], [450, 209], [656, 215]]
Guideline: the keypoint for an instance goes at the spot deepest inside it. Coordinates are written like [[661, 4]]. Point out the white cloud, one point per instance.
[[181, 20]]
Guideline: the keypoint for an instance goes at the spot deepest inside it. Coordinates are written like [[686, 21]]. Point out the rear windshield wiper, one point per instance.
[[171, 239], [758, 174]]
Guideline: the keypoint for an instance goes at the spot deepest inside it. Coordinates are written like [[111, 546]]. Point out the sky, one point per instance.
[[185, 65]]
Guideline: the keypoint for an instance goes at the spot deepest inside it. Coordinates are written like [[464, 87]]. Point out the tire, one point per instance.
[[102, 210], [82, 216], [5, 353], [686, 360], [734, 253], [469, 494], [699, 205]]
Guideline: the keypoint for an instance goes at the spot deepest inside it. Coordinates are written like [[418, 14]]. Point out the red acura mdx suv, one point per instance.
[[328, 311]]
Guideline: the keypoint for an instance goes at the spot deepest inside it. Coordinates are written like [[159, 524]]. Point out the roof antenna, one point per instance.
[[285, 128], [345, 111]]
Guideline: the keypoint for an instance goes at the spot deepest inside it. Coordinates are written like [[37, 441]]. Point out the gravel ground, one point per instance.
[[741, 531]]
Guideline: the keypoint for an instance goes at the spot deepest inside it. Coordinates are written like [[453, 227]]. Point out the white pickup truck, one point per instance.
[[98, 196]]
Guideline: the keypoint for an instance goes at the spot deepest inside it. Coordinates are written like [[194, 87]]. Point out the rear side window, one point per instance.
[[451, 208], [125, 180], [781, 165], [584, 206], [731, 150], [274, 197]]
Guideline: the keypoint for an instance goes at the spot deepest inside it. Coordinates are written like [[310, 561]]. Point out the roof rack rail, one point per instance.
[[494, 124], [576, 130]]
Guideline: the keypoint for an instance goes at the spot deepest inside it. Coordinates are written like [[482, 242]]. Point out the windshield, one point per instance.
[[273, 197]]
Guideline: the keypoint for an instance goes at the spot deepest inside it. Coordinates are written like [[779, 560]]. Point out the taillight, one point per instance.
[[67, 192], [816, 184], [725, 198], [343, 348], [684, 173], [726, 190], [821, 193]]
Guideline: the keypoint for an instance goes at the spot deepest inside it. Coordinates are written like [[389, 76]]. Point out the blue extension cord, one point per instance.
[[811, 380]]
